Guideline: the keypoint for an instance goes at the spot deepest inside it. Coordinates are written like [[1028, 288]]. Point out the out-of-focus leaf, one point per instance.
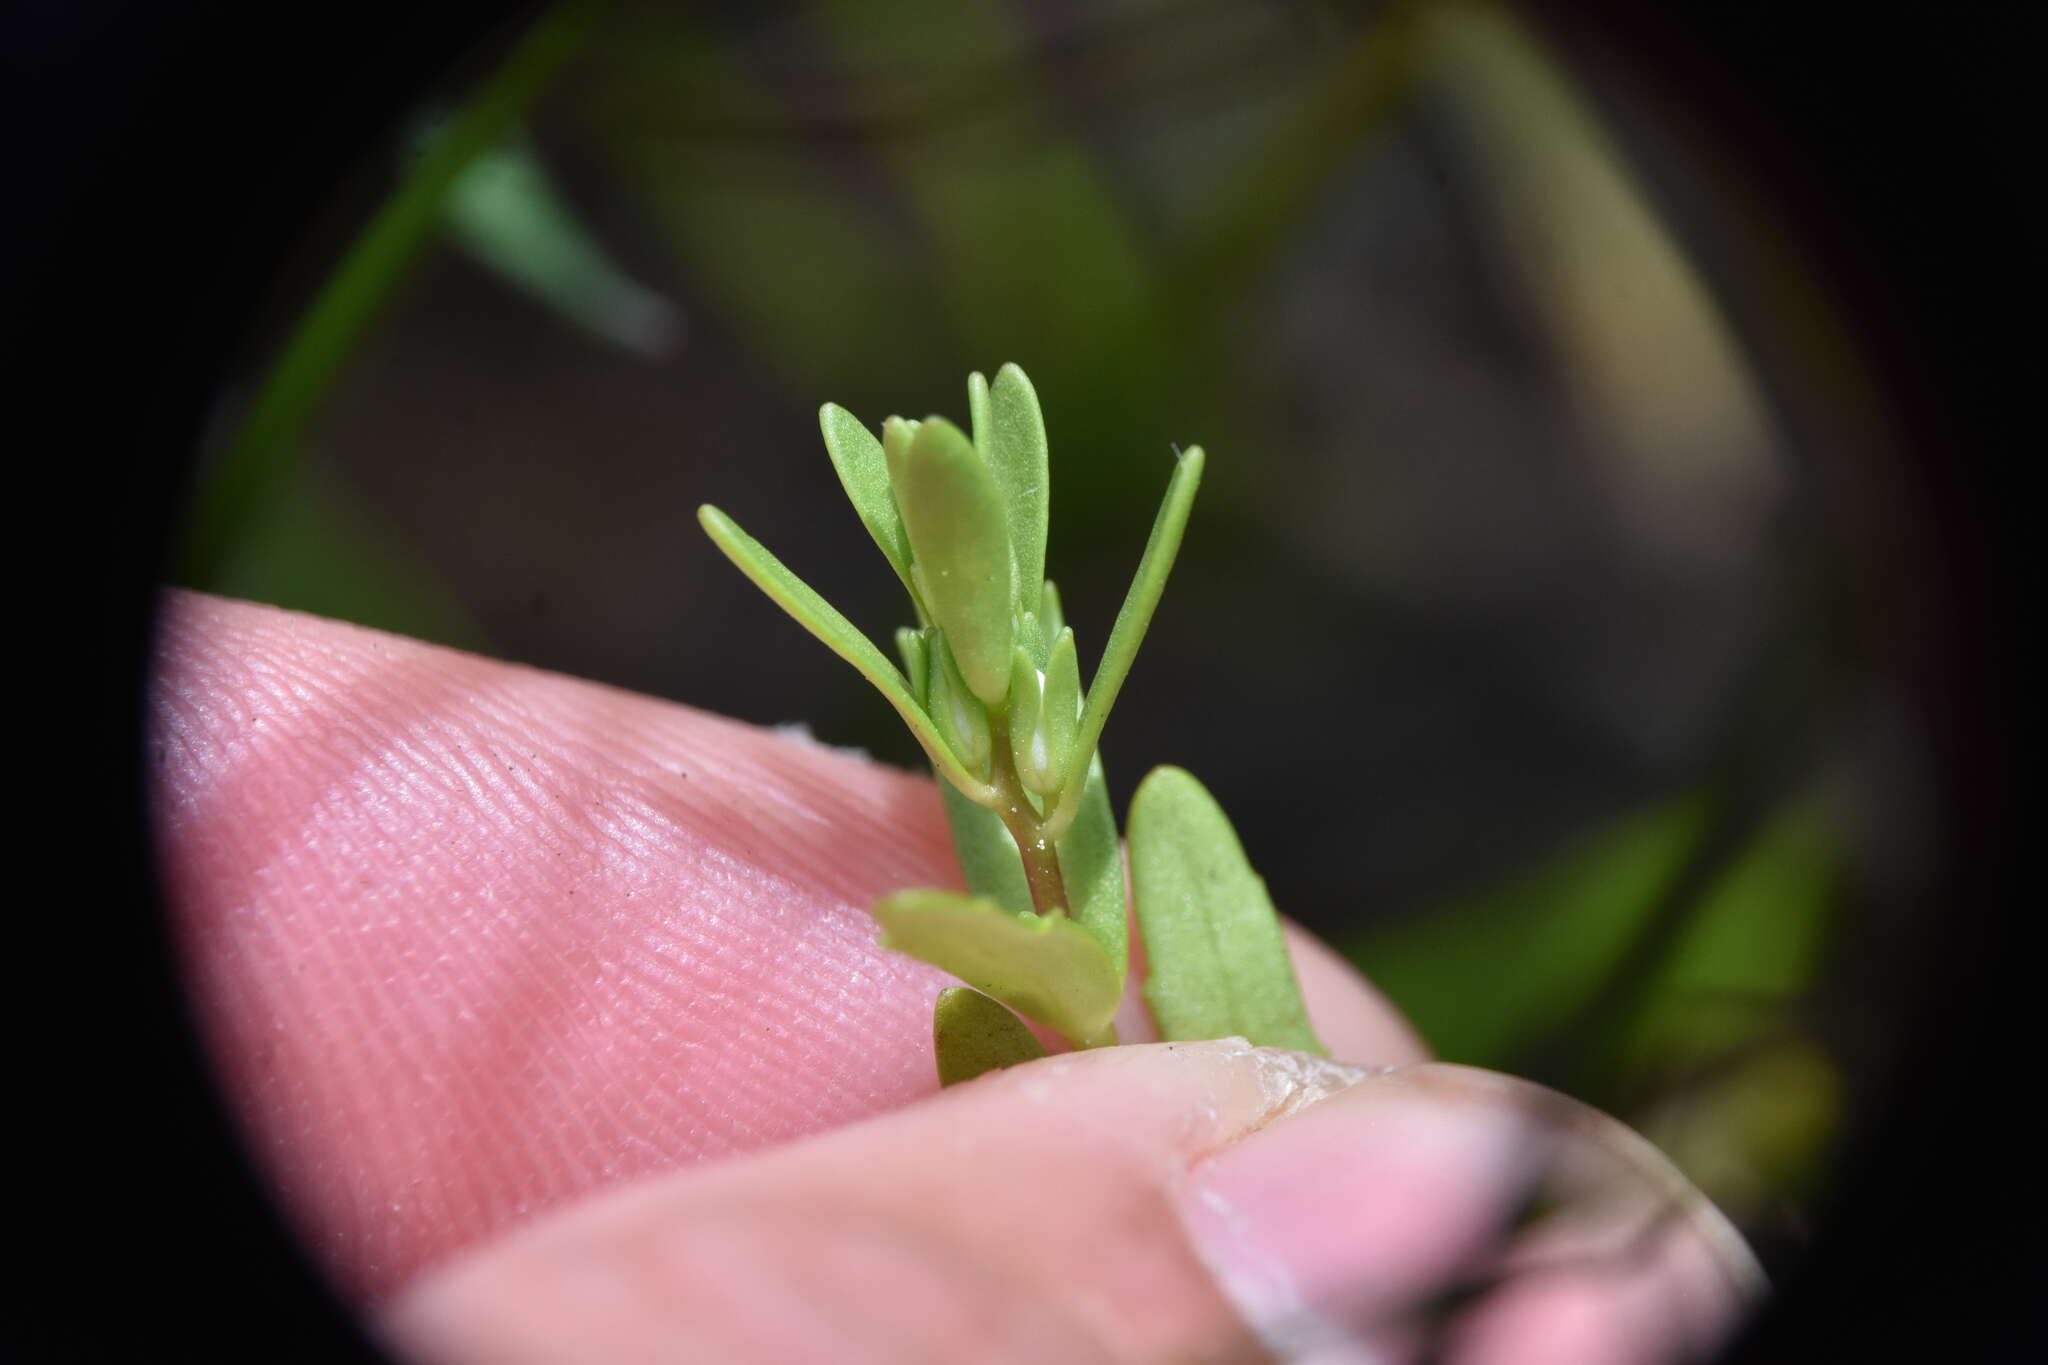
[[1485, 976], [505, 211], [726, 171], [1037, 257], [1046, 968], [1216, 960], [317, 549], [1754, 1129], [254, 465], [1749, 948], [973, 1035]]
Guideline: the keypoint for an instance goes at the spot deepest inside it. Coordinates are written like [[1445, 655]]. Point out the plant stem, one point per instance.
[[1039, 852]]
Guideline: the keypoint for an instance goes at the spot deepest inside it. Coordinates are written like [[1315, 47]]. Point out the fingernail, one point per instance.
[[1332, 1229]]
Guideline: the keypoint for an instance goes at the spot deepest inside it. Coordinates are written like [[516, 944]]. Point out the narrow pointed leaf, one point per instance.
[[957, 712], [973, 1035], [1132, 618], [839, 635], [916, 655], [989, 861], [1046, 968], [1014, 440], [1030, 746], [1032, 639], [1092, 865], [1052, 619], [864, 474], [960, 551], [1061, 709], [1216, 959], [977, 409]]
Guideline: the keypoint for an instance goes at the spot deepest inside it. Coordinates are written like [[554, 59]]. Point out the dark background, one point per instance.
[[161, 213]]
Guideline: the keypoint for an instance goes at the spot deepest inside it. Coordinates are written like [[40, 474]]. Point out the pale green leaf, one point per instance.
[[916, 653], [864, 474], [1216, 959], [960, 551], [973, 1035], [1061, 711], [1092, 865], [897, 434], [1046, 968], [1132, 619], [1051, 618], [958, 714], [839, 635], [1030, 748], [1016, 448], [1032, 639], [977, 410]]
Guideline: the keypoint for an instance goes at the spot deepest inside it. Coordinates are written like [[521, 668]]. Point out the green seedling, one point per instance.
[[990, 686]]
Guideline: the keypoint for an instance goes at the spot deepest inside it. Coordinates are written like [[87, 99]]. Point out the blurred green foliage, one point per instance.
[[249, 519]]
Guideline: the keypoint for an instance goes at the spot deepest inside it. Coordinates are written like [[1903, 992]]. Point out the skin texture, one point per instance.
[[555, 1014]]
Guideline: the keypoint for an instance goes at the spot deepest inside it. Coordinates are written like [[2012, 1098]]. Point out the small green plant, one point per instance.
[[991, 688]]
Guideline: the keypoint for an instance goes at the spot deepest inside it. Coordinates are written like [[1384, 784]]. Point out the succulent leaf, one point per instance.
[[1014, 441], [1216, 960], [957, 712], [973, 1035], [960, 551], [864, 474], [1046, 967]]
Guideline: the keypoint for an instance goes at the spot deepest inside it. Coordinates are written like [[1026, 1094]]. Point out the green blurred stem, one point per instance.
[[256, 462], [1037, 848]]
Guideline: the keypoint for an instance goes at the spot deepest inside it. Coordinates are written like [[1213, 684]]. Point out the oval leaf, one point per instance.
[[864, 474], [1216, 959], [1013, 438], [972, 1035], [960, 552], [960, 716], [1046, 968]]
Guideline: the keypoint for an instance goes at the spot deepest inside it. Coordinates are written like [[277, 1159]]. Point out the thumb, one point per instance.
[[1205, 1201]]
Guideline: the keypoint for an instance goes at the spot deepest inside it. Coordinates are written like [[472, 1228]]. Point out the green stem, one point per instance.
[[1038, 849]]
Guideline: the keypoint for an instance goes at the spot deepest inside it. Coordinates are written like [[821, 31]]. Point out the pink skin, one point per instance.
[[475, 943], [473, 940]]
